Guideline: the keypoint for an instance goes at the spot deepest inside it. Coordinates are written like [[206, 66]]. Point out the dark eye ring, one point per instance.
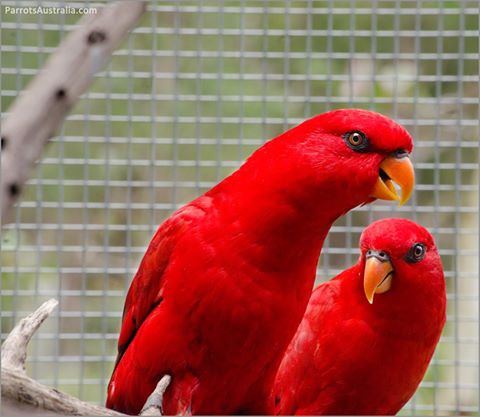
[[356, 140], [416, 253]]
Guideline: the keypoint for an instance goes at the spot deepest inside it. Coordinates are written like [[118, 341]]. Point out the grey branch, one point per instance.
[[39, 111], [153, 405], [18, 389], [14, 348]]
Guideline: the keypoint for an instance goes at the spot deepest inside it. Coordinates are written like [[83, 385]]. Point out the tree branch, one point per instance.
[[20, 388], [39, 111], [14, 348]]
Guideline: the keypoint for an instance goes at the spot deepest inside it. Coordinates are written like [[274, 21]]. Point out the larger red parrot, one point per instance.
[[226, 279], [368, 335]]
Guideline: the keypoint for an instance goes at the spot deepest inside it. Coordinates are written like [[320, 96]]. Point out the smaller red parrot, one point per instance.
[[368, 335]]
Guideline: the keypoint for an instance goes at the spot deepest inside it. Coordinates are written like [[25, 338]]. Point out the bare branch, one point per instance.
[[14, 348], [39, 111], [153, 405], [18, 388]]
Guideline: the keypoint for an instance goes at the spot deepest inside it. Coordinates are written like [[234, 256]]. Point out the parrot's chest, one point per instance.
[[231, 302], [373, 374], [241, 316], [239, 329]]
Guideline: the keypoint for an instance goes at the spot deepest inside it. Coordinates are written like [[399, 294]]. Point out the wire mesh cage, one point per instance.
[[191, 93]]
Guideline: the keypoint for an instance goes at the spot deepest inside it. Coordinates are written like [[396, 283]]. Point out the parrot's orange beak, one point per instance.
[[378, 274], [397, 170]]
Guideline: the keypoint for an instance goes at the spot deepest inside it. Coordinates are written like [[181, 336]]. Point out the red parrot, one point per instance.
[[368, 335], [226, 279]]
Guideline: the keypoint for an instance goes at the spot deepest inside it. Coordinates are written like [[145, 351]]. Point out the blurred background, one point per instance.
[[188, 96]]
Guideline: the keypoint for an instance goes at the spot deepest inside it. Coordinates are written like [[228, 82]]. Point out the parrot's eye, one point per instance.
[[416, 253], [357, 141], [400, 153]]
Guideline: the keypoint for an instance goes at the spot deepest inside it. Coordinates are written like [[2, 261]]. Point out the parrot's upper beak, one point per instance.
[[394, 169], [378, 274]]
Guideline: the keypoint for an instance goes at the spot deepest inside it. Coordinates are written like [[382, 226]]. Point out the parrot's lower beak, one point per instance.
[[394, 170], [378, 274]]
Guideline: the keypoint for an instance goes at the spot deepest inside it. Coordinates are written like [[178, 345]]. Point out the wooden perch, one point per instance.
[[14, 348], [19, 388], [39, 111]]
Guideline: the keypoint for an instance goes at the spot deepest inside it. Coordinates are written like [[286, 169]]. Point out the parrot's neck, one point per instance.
[[284, 207], [284, 230]]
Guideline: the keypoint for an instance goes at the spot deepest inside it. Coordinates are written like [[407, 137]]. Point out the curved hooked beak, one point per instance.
[[378, 274], [397, 170]]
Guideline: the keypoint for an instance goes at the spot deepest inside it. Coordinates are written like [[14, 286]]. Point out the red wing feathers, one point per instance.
[[146, 289]]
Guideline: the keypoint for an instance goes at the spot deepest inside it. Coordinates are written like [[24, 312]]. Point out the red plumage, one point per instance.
[[350, 357], [226, 279]]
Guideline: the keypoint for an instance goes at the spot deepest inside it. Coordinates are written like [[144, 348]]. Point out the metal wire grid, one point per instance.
[[191, 93]]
